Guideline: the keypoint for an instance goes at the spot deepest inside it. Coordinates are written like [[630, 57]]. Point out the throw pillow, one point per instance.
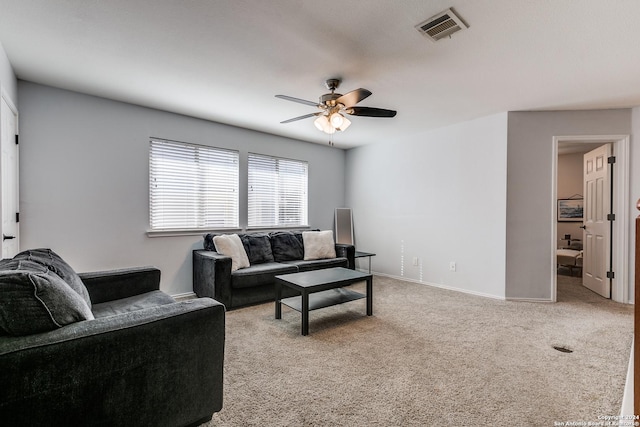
[[230, 245], [258, 248], [318, 245], [34, 299], [208, 242], [285, 246], [53, 261]]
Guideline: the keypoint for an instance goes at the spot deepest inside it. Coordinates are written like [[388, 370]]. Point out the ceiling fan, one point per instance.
[[333, 106]]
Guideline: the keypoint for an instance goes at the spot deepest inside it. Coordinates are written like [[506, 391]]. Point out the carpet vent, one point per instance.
[[441, 25], [562, 349]]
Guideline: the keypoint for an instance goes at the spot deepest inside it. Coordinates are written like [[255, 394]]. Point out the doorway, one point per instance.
[[577, 146], [9, 194]]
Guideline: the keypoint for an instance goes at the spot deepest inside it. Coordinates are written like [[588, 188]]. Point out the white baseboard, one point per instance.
[[626, 409], [528, 299]]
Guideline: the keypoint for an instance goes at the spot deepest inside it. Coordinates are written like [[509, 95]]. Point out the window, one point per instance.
[[277, 192], [192, 186]]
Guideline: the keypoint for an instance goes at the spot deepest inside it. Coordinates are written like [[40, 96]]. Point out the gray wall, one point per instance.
[[447, 195], [529, 189], [440, 197], [84, 179], [8, 81]]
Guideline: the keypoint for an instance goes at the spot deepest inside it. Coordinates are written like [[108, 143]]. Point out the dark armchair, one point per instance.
[[143, 360]]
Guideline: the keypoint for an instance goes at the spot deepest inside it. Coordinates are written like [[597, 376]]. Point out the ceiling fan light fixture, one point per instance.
[[337, 120], [321, 122], [334, 106], [345, 124]]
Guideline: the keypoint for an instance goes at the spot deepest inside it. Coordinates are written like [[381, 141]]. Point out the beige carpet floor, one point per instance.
[[428, 357]]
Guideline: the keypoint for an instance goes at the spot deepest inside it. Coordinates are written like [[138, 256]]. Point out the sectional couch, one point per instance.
[[269, 255]]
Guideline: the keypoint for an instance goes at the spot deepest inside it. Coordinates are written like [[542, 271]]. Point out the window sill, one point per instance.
[[202, 231], [188, 232]]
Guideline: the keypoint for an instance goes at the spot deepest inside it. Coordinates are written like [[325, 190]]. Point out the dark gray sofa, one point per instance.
[[140, 358], [270, 254]]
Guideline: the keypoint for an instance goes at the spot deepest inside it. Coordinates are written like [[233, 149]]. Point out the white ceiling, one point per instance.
[[225, 60]]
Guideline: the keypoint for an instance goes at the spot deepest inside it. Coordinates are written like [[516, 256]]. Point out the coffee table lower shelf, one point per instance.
[[321, 288], [324, 299]]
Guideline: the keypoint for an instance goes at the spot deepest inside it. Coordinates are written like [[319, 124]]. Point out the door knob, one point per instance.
[[5, 237], [584, 227]]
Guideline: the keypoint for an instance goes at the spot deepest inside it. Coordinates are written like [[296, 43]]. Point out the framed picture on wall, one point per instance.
[[570, 209]]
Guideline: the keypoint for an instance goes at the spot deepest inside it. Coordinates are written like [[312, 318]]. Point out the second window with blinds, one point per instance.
[[277, 192]]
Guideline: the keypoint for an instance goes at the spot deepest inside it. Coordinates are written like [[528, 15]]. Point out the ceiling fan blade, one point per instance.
[[370, 112], [352, 98], [306, 116], [298, 100]]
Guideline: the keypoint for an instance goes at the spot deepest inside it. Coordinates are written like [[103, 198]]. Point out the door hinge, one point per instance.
[[611, 217], [17, 139], [17, 216], [611, 159], [611, 275]]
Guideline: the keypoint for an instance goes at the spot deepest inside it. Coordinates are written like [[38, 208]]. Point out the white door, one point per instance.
[[9, 179], [596, 226]]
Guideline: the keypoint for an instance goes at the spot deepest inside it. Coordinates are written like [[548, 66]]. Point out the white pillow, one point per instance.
[[318, 244], [230, 245]]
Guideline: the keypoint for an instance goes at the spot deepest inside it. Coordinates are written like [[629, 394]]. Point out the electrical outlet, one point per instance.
[[452, 266], [416, 261]]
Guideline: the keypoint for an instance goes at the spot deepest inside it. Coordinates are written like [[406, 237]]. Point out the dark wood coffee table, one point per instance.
[[319, 289]]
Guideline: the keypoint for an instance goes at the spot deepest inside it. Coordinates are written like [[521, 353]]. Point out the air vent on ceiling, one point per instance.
[[441, 25]]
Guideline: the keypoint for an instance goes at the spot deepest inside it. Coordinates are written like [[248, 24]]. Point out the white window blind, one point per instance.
[[277, 192], [192, 186]]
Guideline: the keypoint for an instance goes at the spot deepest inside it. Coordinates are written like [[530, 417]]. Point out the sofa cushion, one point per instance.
[[318, 245], [34, 299], [286, 245], [56, 264], [258, 248], [208, 242], [260, 274], [230, 245], [317, 264], [133, 303]]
